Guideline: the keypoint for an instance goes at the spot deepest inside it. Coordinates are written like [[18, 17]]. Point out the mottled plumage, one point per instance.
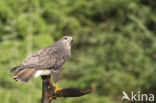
[[46, 61]]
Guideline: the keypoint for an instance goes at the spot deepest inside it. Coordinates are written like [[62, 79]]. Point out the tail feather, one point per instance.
[[24, 75]]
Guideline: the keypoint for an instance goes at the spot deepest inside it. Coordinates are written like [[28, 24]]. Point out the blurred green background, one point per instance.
[[114, 46]]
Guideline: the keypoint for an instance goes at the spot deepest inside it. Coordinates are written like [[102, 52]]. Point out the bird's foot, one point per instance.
[[57, 88], [49, 87]]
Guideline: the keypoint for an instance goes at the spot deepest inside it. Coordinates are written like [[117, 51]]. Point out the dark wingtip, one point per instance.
[[16, 68], [13, 69]]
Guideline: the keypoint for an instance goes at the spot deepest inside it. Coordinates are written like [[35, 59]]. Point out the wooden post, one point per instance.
[[46, 89], [48, 93]]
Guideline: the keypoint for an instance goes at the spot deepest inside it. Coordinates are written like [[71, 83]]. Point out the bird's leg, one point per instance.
[[56, 74], [50, 83]]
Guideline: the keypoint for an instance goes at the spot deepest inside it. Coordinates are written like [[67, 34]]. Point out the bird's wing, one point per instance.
[[49, 57]]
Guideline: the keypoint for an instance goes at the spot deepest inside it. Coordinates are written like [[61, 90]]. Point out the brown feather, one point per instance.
[[24, 75]]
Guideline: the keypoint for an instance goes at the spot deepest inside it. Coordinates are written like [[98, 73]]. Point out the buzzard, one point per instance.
[[46, 61]]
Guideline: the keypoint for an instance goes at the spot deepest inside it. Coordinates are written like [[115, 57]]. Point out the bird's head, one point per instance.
[[67, 40]]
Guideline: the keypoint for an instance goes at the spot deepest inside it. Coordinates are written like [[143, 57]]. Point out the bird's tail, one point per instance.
[[23, 75]]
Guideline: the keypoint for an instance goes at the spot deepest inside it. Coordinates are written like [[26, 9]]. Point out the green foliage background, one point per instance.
[[114, 46]]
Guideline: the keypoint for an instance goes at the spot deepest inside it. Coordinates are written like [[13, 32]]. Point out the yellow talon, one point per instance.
[[57, 89], [49, 87]]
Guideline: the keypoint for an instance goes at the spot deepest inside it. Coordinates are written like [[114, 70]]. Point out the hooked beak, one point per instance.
[[70, 40]]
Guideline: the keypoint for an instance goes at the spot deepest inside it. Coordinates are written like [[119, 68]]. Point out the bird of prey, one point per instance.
[[46, 61]]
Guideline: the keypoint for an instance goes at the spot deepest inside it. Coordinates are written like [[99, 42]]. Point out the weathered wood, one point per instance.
[[46, 89], [73, 92], [48, 93]]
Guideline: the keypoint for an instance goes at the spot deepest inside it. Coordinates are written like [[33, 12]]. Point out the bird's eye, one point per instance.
[[65, 38]]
